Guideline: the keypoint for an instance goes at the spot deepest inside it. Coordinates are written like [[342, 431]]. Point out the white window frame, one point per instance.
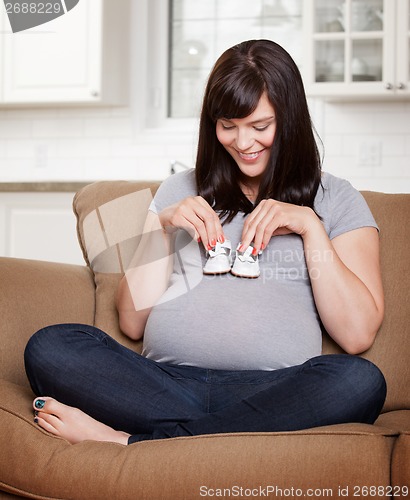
[[150, 37], [151, 46]]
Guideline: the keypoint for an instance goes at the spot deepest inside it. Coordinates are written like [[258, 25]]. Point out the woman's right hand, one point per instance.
[[197, 217]]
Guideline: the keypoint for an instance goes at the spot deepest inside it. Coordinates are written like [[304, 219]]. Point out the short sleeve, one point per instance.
[[173, 189], [341, 207]]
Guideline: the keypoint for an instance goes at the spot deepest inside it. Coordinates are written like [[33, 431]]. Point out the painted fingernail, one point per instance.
[[262, 246], [35, 420], [213, 242], [221, 238], [254, 251], [40, 404], [199, 240]]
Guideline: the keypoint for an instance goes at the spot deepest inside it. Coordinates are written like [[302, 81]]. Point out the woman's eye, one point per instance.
[[261, 129], [227, 127]]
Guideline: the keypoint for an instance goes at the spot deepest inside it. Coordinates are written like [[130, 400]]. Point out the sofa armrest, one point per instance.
[[34, 294]]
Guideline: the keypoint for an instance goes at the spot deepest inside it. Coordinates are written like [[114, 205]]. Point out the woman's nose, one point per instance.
[[244, 139]]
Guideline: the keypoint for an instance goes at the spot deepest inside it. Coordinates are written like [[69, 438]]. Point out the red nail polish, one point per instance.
[[254, 251], [199, 240], [213, 242], [221, 238]]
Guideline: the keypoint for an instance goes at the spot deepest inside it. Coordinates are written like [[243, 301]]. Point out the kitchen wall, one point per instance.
[[368, 143], [78, 144], [90, 144], [365, 142]]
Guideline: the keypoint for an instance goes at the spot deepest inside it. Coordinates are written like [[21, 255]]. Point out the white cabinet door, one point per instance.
[[57, 61], [39, 226], [2, 37], [403, 47], [79, 57], [357, 48]]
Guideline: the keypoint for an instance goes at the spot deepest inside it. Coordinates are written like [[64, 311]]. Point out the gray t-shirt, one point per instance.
[[230, 323]]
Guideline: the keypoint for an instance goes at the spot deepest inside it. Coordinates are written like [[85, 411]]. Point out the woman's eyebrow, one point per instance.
[[259, 120], [268, 118]]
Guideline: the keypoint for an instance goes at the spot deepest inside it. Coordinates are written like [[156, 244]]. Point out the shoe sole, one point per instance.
[[209, 273], [244, 275]]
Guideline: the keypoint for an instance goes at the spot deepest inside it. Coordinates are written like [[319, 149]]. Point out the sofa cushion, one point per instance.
[[110, 219], [400, 467], [397, 420], [344, 456], [391, 351], [34, 294]]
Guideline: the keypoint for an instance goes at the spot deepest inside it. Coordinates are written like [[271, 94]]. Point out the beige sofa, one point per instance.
[[341, 459]]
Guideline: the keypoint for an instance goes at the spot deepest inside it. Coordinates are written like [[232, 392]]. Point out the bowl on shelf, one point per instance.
[[361, 15]]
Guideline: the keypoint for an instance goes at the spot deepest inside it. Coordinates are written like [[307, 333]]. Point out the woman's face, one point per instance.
[[249, 140]]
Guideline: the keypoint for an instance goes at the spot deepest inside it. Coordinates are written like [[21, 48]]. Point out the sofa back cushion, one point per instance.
[[391, 351], [110, 219]]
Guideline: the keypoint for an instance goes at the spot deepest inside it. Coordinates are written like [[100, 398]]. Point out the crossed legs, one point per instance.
[[91, 387]]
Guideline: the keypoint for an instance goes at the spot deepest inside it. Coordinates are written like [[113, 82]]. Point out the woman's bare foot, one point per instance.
[[72, 424]]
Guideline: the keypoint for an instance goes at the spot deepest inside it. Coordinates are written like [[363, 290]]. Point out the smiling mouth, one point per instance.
[[250, 156]]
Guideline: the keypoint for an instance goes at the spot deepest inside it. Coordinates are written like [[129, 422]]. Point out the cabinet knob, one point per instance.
[[388, 86], [401, 86], [94, 93]]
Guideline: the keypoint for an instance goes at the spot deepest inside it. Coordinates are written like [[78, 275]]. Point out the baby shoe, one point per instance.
[[246, 265], [219, 259]]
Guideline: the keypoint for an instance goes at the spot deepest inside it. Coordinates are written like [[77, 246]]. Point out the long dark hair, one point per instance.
[[235, 86]]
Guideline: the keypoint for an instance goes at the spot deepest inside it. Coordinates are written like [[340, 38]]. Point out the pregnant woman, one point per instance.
[[221, 352]]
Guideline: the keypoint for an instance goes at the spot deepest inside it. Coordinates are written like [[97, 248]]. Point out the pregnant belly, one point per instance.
[[229, 328]]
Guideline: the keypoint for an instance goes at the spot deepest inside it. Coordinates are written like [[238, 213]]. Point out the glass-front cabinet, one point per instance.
[[357, 48]]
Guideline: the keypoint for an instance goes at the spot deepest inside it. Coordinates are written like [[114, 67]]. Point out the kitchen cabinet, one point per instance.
[[79, 57], [357, 48], [39, 226]]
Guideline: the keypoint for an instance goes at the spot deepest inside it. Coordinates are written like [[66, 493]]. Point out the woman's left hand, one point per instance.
[[274, 218]]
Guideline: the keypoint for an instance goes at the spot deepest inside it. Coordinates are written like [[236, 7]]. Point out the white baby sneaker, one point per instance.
[[219, 259], [246, 265]]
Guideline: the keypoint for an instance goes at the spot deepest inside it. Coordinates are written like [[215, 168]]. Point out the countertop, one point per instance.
[[42, 187]]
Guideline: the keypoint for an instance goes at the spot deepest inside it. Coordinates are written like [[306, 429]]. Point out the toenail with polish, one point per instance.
[[40, 404]]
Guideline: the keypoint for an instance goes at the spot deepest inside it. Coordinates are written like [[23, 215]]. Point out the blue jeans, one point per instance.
[[82, 366]]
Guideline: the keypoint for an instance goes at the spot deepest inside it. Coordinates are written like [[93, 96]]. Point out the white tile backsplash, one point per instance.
[[11, 128], [347, 126], [397, 122], [114, 127], [54, 128], [91, 144], [83, 148]]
